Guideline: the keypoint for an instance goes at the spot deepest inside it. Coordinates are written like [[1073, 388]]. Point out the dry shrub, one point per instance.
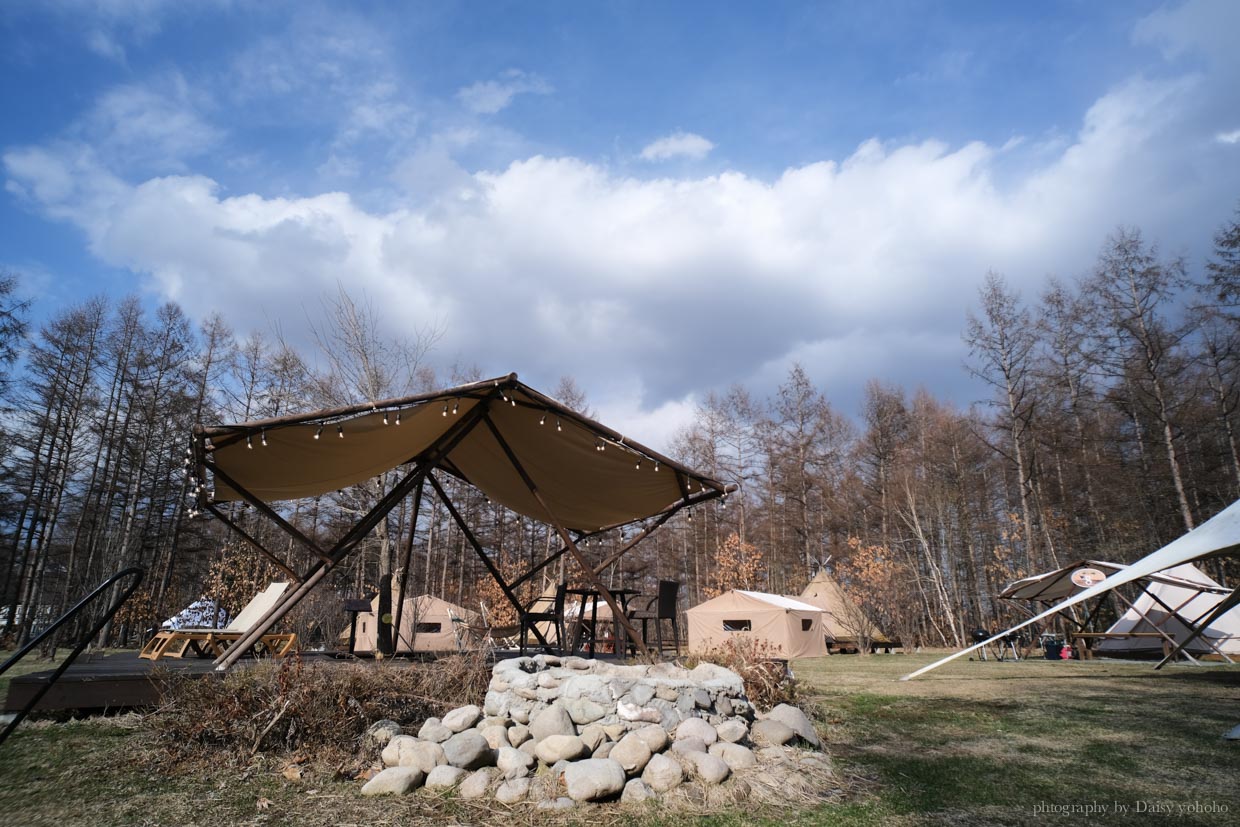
[[318, 708], [768, 682]]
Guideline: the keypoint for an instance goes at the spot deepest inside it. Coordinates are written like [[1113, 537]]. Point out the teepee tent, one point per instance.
[[1170, 608], [792, 628], [842, 619], [1217, 536], [427, 624]]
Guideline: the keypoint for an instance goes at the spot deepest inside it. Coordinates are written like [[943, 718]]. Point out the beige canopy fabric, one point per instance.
[[792, 629], [841, 617], [590, 476], [427, 624], [1190, 594]]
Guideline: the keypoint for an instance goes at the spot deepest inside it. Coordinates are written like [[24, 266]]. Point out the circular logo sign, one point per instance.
[[1087, 577]]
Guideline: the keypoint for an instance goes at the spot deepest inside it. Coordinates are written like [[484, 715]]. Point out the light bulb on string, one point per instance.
[[385, 418], [638, 466], [398, 417], [262, 438], [248, 443], [456, 406], [558, 426], [656, 465], [319, 432], [445, 409], [340, 431], [542, 420]]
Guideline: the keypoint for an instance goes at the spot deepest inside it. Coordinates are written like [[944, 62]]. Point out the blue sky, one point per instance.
[[658, 199]]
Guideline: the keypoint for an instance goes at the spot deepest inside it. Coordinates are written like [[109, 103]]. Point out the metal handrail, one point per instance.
[[65, 618]]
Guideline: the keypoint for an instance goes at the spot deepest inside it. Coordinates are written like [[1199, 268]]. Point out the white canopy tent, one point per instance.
[[1215, 537]]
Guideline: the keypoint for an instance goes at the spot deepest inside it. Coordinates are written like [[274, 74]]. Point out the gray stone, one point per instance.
[[513, 763], [604, 750], [593, 687], [615, 731], [434, 730], [592, 736], [687, 745], [462, 718], [709, 768], [734, 755], [685, 702], [497, 736], [555, 748], [380, 733], [701, 699], [425, 755], [732, 731], [576, 663], [512, 790], [394, 781], [396, 747], [797, 721], [518, 735], [666, 693], [636, 792], [632, 753], [697, 728], [724, 706], [583, 710], [663, 773], [641, 694], [594, 779], [553, 720], [654, 737], [468, 750], [629, 712], [771, 732], [494, 721], [478, 784], [445, 775], [520, 712], [498, 703], [528, 747], [561, 803]]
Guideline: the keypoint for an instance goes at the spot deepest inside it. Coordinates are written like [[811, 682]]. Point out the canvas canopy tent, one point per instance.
[[522, 449], [793, 629], [1172, 604], [842, 618], [427, 624], [1216, 537]]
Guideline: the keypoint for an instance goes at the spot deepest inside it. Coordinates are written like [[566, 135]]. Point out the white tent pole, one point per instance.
[[1221, 609]]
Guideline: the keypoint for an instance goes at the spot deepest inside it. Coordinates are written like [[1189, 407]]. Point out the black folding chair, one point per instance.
[[659, 608], [555, 617]]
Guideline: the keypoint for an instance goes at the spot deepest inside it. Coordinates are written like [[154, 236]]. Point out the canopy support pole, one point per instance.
[[1152, 624], [404, 569], [481, 552], [567, 539], [1221, 609], [350, 540], [268, 511], [276, 561]]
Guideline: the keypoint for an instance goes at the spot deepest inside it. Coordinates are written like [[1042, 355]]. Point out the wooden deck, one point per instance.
[[116, 681]]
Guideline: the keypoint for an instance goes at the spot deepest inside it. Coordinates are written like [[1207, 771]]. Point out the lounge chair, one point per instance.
[[206, 642]]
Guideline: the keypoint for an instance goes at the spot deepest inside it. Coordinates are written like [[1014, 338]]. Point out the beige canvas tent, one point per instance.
[[1169, 607], [427, 624], [843, 621], [792, 628]]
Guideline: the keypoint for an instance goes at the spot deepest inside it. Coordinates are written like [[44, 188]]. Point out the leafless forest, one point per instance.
[[1110, 429]]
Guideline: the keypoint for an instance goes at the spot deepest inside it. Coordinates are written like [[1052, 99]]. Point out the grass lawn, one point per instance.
[[972, 743]]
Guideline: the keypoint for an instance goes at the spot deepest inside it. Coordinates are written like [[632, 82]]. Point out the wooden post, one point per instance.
[[404, 570]]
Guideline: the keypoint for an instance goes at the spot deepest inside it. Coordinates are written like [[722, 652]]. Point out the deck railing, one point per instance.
[[133, 571]]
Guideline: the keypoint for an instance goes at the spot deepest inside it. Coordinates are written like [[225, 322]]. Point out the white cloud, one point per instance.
[[677, 145], [491, 96], [1232, 137]]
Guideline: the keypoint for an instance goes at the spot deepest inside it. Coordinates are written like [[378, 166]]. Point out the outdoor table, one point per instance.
[[1081, 640], [593, 595]]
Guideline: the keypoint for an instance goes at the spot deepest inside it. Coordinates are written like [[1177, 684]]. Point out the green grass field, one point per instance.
[[1035, 742]]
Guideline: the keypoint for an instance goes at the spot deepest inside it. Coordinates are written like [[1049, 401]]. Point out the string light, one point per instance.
[[340, 431], [558, 426], [656, 466], [398, 417], [445, 409], [456, 406], [262, 438], [638, 466], [319, 432], [248, 444], [385, 418], [542, 420]]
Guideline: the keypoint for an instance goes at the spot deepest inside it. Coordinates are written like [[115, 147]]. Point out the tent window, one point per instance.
[[806, 625], [737, 625], [429, 628]]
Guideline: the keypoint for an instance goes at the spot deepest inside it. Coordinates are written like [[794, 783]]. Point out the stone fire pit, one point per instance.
[[560, 732]]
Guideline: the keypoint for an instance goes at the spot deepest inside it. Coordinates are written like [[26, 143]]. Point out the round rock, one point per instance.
[[394, 781], [771, 732], [477, 784], [434, 730], [445, 775], [636, 792], [512, 790], [632, 753], [553, 720], [462, 718], [663, 773], [555, 748], [797, 721], [513, 763], [732, 731], [697, 728], [734, 755], [594, 779], [709, 768], [468, 750]]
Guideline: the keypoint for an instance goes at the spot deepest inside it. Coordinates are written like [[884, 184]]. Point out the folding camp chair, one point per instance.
[[204, 642]]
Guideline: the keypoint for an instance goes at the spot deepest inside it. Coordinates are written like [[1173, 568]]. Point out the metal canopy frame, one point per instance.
[[421, 467]]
